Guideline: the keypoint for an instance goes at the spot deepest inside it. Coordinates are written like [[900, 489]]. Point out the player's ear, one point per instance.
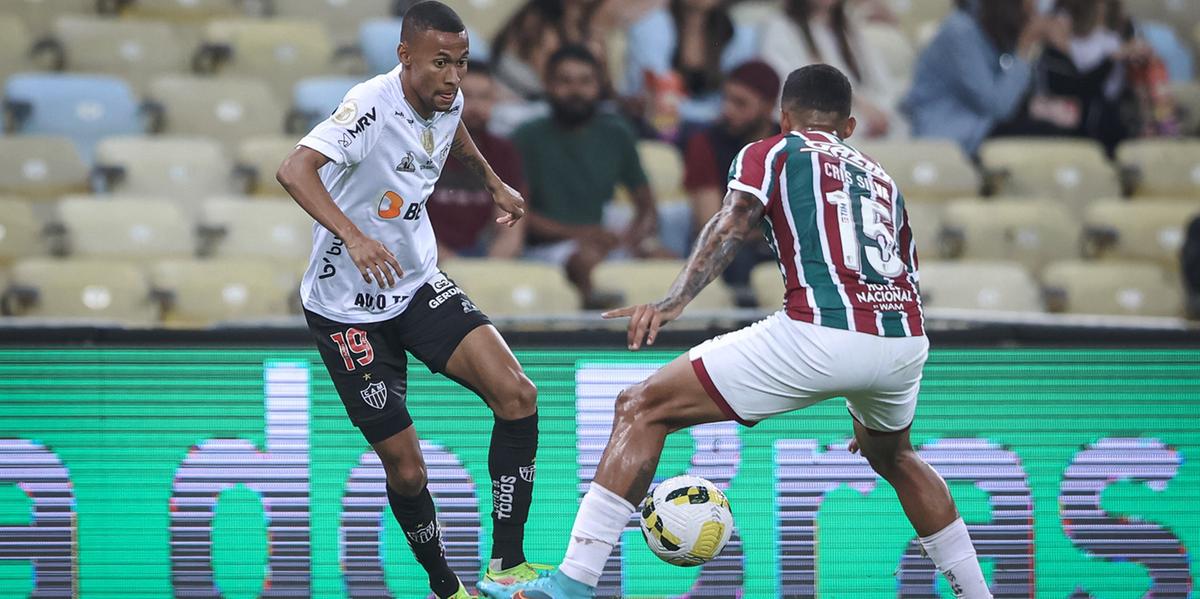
[[402, 53], [849, 127], [785, 121]]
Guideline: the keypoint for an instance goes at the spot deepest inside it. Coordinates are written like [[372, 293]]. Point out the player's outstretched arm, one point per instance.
[[718, 243], [507, 199], [298, 176]]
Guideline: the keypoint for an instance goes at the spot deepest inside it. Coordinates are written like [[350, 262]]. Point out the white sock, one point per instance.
[[954, 555], [598, 526]]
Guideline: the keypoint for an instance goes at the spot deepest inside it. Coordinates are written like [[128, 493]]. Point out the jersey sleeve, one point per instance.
[[751, 169], [347, 135]]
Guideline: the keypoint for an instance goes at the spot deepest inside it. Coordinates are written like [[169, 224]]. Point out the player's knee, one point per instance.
[[889, 463], [406, 479], [516, 399], [637, 406]]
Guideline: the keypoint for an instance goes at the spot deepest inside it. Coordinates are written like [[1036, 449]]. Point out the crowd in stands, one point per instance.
[[618, 121]]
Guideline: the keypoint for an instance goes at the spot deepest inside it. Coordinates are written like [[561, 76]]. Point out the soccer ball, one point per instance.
[[686, 521]]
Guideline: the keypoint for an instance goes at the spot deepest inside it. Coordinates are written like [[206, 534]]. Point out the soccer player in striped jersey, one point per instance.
[[851, 326]]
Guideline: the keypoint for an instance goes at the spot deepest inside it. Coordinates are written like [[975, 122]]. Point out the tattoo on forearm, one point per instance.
[[718, 243], [472, 160]]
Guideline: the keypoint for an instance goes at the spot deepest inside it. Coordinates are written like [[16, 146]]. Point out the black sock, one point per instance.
[[511, 464], [418, 519]]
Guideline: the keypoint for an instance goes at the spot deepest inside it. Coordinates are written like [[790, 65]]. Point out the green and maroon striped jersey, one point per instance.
[[837, 223]]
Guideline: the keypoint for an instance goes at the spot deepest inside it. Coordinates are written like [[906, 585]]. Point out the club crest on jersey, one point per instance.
[[390, 205], [408, 164], [375, 395], [345, 113]]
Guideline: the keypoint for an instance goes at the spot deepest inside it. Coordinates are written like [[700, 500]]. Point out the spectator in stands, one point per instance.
[[977, 71], [574, 160], [539, 28], [747, 115], [812, 31], [677, 58], [461, 211]]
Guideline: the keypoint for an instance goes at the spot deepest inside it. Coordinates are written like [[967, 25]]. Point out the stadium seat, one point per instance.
[[378, 39], [258, 158], [101, 290], [238, 227], [916, 16], [664, 168], [1107, 288], [179, 167], [925, 169], [84, 108], [314, 99], [20, 231], [1030, 232], [645, 281], [41, 167], [514, 288], [925, 220], [1141, 230], [226, 109], [767, 282], [1073, 170], [206, 292], [1187, 96], [136, 50], [279, 52], [183, 10], [979, 285], [38, 16], [133, 230], [894, 47], [1162, 167], [341, 17], [15, 44], [753, 13]]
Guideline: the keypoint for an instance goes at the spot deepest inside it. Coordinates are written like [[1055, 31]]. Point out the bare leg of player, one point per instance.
[[670, 400], [929, 507], [413, 508], [484, 363]]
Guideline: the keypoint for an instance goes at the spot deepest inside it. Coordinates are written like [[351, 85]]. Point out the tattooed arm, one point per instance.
[[719, 241], [507, 199]]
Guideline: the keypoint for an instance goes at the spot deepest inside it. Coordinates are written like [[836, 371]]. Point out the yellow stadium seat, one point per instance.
[[226, 109], [1187, 96], [979, 285], [664, 168], [180, 167], [41, 167], [342, 17], [258, 158], [514, 288], [925, 220], [205, 292], [277, 51], [894, 47], [1163, 167], [136, 50], [1108, 288], [1073, 170], [20, 231], [279, 231], [646, 281], [39, 15], [1030, 232], [925, 169], [917, 15], [1141, 230], [183, 10], [15, 44], [753, 13], [99, 290], [133, 230]]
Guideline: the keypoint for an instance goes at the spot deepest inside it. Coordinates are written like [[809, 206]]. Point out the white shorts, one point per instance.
[[779, 365]]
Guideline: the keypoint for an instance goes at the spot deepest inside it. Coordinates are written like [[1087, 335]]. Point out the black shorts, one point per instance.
[[367, 361]]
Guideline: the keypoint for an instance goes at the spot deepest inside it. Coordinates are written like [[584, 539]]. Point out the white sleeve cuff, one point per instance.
[[754, 191], [331, 151]]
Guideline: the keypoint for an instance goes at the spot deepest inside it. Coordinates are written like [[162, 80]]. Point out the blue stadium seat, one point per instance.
[[316, 98], [84, 108]]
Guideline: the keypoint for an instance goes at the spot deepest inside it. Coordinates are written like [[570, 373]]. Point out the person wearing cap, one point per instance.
[[748, 98]]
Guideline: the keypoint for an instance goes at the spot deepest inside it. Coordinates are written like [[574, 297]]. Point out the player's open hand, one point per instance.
[[510, 201], [644, 321], [374, 260]]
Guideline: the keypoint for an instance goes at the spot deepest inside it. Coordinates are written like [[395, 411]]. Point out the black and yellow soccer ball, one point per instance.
[[686, 521]]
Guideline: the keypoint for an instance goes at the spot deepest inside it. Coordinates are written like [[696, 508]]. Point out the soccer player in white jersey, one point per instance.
[[851, 326], [373, 289]]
